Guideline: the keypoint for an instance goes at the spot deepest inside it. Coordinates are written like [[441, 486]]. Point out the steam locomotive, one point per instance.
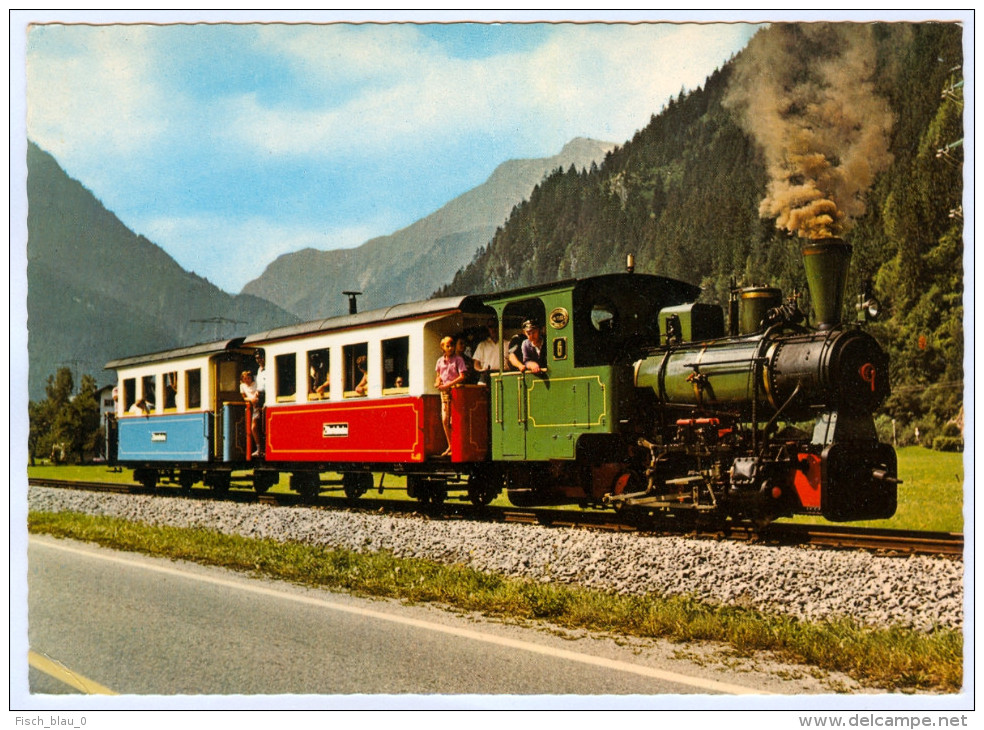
[[648, 403]]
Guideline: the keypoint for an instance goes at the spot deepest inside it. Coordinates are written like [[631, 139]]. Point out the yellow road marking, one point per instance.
[[64, 674]]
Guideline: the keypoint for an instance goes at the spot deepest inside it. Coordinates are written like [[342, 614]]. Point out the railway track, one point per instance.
[[895, 542]]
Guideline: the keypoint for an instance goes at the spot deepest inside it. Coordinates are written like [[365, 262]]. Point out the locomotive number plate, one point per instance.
[[334, 429], [158, 436]]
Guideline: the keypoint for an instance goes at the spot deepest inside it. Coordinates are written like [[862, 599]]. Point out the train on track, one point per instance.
[[650, 402]]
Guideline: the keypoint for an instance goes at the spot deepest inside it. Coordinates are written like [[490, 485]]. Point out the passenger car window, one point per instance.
[[356, 362], [286, 369], [396, 371], [319, 369], [170, 391], [148, 383], [193, 388], [129, 393]]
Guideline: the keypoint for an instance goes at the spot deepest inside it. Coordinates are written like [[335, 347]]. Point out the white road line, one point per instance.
[[615, 665]]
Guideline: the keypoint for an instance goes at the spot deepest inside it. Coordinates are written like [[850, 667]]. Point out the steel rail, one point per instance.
[[884, 541]]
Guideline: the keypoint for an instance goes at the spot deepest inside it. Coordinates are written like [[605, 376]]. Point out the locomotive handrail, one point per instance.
[[775, 416]]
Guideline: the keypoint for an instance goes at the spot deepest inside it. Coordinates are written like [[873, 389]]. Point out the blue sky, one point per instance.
[[229, 145]]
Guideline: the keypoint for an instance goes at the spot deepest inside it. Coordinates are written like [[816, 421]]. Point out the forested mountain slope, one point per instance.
[[697, 193]]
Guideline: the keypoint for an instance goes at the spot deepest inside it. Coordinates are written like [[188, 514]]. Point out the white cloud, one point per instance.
[[91, 90], [586, 80]]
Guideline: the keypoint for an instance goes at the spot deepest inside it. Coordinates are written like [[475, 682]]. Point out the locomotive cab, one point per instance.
[[577, 418]]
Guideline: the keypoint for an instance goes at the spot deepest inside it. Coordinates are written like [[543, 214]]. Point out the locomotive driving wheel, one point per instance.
[[629, 482]]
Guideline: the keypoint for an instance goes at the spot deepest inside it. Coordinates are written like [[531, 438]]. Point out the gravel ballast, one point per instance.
[[916, 592]]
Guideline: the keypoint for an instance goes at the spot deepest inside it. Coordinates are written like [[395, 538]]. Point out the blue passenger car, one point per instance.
[[181, 410]]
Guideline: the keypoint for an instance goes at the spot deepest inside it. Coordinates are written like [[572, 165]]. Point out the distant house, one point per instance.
[[104, 396]]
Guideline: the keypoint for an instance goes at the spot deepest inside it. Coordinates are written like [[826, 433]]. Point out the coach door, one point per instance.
[[509, 415], [229, 408]]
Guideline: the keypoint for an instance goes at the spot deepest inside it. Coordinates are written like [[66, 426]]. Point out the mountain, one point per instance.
[[412, 263], [97, 291]]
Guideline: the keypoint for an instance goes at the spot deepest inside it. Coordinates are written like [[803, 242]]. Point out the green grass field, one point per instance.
[[931, 495]]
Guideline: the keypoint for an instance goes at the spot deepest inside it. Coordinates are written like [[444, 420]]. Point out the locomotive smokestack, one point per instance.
[[826, 261]]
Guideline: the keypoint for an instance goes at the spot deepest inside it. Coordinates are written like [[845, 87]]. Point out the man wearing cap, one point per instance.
[[534, 353]]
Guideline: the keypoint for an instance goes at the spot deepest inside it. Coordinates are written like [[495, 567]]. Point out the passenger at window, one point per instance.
[[320, 377], [534, 348], [451, 371], [251, 394], [140, 408], [170, 392], [488, 354], [463, 350], [363, 387]]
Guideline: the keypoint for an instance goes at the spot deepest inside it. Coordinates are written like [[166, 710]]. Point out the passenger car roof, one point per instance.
[[410, 310], [204, 349]]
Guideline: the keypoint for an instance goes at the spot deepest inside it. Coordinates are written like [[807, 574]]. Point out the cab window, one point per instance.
[[514, 316]]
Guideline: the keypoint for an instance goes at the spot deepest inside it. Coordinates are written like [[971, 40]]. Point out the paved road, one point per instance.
[[131, 624]]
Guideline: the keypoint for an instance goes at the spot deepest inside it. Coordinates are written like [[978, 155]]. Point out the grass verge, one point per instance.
[[894, 659]]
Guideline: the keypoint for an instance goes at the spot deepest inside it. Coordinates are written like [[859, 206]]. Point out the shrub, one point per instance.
[[948, 443]]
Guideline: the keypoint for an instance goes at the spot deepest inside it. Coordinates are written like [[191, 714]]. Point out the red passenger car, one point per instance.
[[356, 393]]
